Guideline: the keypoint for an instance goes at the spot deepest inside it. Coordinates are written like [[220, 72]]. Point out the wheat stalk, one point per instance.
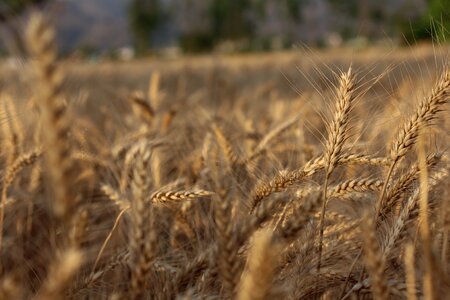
[[410, 272], [373, 259]]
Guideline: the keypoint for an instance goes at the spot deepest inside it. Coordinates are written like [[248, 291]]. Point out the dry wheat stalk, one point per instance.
[[410, 272], [374, 259], [91, 277], [429, 285]]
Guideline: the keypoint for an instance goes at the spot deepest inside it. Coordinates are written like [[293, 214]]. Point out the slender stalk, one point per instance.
[[428, 288], [410, 272], [322, 220], [383, 189]]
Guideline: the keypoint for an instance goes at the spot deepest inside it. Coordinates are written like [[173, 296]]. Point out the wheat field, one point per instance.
[[300, 175]]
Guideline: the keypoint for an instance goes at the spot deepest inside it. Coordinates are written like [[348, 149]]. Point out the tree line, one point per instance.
[[201, 25]]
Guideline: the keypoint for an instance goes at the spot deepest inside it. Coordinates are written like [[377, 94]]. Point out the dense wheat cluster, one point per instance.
[[214, 180]]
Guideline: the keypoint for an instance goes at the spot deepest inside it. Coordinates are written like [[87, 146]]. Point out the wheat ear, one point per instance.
[[284, 180], [173, 197], [10, 288], [398, 189], [227, 256], [356, 185], [426, 112], [263, 258], [42, 46], [141, 108], [225, 145], [11, 172], [60, 274], [337, 135], [143, 237]]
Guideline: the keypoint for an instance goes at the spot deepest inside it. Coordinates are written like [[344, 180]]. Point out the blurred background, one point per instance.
[[130, 28]]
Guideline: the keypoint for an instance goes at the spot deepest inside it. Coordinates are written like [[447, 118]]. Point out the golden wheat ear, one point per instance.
[[143, 240], [60, 275], [141, 108], [41, 42], [10, 174], [228, 261], [337, 135], [256, 282], [425, 113]]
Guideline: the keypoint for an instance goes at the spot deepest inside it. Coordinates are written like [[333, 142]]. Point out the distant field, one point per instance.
[[296, 175]]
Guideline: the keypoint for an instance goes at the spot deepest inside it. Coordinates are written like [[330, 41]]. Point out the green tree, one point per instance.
[[434, 24], [439, 19], [293, 7], [144, 16], [229, 19]]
